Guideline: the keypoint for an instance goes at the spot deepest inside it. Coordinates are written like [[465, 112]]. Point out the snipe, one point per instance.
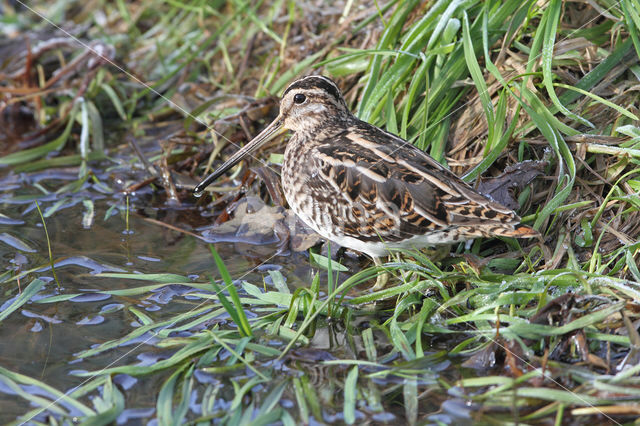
[[365, 188]]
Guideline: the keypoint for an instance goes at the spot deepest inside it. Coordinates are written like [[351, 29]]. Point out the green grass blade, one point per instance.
[[400, 341], [350, 396], [110, 405], [272, 400], [552, 14], [387, 40], [44, 402], [238, 314], [31, 154], [599, 72], [325, 263], [167, 414], [632, 20], [600, 99], [410, 396], [160, 278], [476, 74], [32, 289]]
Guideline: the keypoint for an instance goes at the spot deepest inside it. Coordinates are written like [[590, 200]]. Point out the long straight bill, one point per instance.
[[270, 132]]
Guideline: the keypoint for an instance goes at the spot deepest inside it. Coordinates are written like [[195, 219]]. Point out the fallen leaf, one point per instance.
[[254, 222], [518, 176]]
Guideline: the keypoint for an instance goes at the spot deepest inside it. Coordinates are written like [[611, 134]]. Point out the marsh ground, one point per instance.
[[167, 307]]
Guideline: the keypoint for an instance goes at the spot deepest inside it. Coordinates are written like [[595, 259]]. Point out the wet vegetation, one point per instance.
[[124, 298]]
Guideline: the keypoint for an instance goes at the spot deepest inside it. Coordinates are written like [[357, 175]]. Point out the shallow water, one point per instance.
[[42, 340]]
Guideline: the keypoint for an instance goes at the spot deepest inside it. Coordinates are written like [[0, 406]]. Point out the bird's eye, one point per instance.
[[299, 98]]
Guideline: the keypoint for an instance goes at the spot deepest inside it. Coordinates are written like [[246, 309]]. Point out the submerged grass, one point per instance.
[[496, 333], [46, 234]]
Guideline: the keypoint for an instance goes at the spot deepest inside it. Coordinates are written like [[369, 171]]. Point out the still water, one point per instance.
[[90, 234]]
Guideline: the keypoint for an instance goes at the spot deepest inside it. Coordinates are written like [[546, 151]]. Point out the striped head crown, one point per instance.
[[311, 101]]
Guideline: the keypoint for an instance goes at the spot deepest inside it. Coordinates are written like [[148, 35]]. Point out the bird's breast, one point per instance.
[[299, 170]]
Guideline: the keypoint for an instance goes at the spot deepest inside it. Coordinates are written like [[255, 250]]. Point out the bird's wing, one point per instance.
[[396, 190]]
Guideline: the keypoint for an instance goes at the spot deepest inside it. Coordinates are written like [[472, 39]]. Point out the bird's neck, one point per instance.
[[320, 130]]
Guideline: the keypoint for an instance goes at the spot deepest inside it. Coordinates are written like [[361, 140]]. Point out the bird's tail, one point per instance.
[[521, 231]]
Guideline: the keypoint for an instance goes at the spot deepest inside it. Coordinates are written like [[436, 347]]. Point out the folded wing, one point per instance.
[[394, 191]]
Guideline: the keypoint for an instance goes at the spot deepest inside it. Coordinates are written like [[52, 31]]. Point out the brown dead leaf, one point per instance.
[[483, 359], [301, 237], [498, 351], [272, 183], [517, 176], [254, 222]]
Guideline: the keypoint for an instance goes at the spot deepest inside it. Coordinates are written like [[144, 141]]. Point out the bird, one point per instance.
[[367, 189]]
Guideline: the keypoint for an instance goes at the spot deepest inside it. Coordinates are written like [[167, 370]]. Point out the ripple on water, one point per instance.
[[85, 262], [111, 307], [37, 327], [6, 220], [98, 319], [149, 258], [45, 318], [16, 243], [130, 414], [125, 381], [90, 297]]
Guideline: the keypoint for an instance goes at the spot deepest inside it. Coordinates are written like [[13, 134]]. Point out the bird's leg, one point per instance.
[[382, 279]]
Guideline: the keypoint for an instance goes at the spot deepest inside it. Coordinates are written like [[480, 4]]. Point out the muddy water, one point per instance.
[[95, 231], [40, 339]]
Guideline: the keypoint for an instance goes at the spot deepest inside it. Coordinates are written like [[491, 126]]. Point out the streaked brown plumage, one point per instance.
[[368, 189]]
